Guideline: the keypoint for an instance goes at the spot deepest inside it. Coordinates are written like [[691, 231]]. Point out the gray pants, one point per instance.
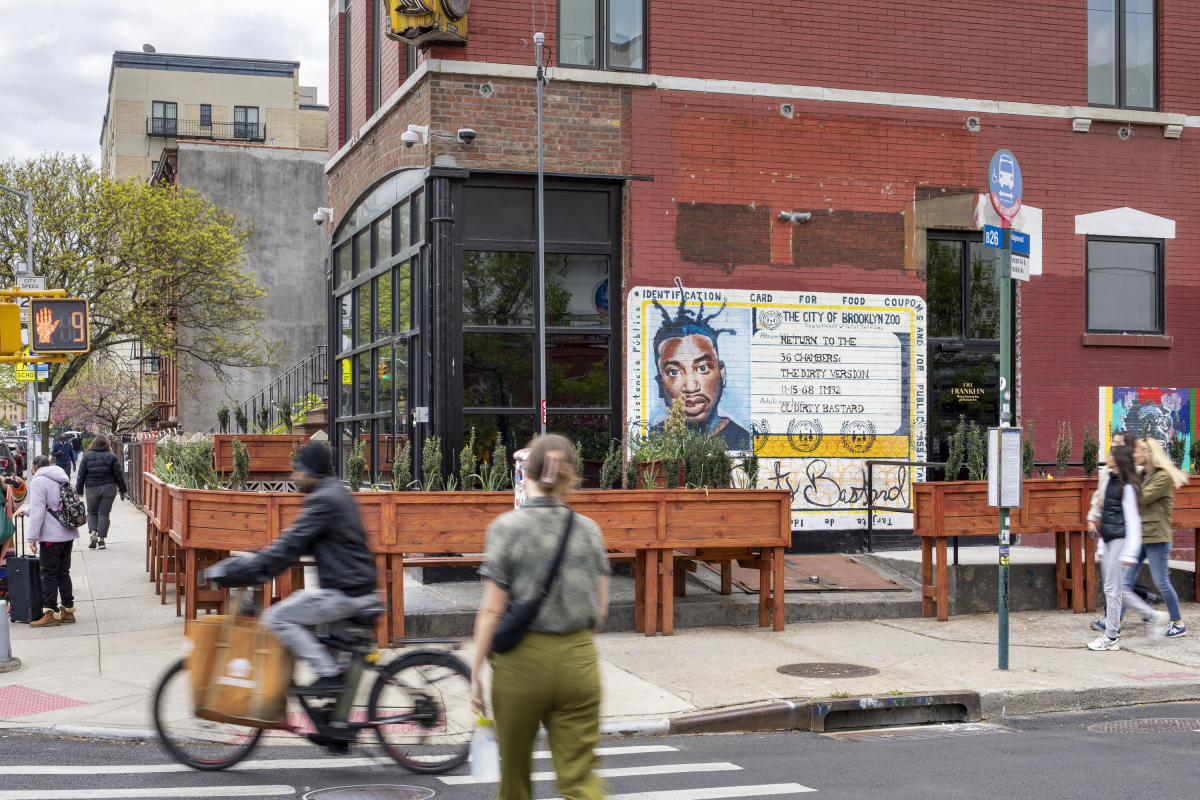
[[1114, 589], [99, 504], [290, 620]]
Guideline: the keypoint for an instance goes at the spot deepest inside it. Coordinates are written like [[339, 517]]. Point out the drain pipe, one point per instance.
[[8, 662]]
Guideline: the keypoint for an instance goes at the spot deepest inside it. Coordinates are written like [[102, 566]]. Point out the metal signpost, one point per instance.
[[1004, 187]]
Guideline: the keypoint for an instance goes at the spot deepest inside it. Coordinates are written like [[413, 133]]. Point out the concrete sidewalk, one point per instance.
[[97, 676]]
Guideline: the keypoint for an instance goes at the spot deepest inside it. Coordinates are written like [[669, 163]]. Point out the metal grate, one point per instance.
[[371, 792], [823, 670], [18, 701], [1162, 725]]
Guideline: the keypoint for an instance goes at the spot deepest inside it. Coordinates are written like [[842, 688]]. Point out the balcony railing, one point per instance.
[[304, 385], [216, 131]]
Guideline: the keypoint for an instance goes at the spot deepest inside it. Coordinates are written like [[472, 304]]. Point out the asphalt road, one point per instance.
[[1052, 756]]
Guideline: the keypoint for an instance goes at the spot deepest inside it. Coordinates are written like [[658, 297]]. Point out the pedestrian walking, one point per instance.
[[52, 542], [13, 488], [1160, 479], [1095, 513], [98, 480], [63, 454], [551, 677], [76, 449]]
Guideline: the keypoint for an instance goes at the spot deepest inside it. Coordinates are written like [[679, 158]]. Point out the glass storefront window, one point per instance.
[[345, 267], [497, 288], [346, 312], [346, 377], [403, 228], [400, 384], [943, 265], [418, 216], [577, 290], [577, 370], [383, 239], [362, 375], [362, 253], [347, 430], [383, 305], [511, 430], [497, 370], [383, 396], [402, 286], [388, 448], [588, 431], [363, 314], [984, 291]]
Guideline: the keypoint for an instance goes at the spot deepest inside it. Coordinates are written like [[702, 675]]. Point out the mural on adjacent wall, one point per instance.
[[1162, 414], [816, 382]]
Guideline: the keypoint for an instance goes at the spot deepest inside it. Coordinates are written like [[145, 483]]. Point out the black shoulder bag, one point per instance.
[[520, 616]]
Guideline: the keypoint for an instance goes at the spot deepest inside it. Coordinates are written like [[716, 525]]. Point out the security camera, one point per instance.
[[409, 138], [466, 135], [414, 134], [323, 215]]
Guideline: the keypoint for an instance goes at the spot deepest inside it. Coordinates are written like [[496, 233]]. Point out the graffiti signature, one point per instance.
[[825, 491]]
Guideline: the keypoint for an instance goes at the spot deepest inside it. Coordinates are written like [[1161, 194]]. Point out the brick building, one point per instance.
[[789, 156]]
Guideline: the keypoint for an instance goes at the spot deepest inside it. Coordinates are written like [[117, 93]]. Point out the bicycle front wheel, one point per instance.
[[420, 709], [198, 743]]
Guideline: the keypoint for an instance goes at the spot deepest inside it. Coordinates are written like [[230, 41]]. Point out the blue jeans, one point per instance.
[[1157, 554]]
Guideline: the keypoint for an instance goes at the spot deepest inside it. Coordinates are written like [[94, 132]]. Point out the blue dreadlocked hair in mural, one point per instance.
[[687, 323]]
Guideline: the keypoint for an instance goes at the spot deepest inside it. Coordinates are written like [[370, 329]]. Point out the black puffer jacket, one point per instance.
[[330, 529], [100, 468]]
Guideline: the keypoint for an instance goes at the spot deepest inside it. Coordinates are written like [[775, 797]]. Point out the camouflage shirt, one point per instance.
[[520, 549]]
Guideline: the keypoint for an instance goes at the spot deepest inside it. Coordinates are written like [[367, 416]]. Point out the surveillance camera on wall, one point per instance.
[[466, 135], [409, 138], [323, 215]]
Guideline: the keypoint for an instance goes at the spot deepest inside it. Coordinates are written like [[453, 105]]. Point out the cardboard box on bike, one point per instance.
[[240, 672]]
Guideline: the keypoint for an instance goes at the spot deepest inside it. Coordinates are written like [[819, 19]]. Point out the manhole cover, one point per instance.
[[1167, 725], [372, 792], [819, 670]]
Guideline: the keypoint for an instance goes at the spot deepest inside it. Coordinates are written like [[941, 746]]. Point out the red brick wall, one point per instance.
[[337, 133]]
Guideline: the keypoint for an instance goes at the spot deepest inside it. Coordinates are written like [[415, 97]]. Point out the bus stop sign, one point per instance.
[[1004, 185]]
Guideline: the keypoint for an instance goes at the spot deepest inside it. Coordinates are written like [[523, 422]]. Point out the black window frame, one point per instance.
[[1119, 58], [963, 341], [1159, 283], [159, 124], [205, 115], [602, 41], [246, 129]]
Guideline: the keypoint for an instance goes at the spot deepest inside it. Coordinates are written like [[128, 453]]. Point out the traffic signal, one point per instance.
[[10, 329], [59, 325]]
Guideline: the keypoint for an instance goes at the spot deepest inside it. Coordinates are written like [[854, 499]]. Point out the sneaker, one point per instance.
[[1100, 625], [1158, 625], [1104, 643], [100, 545], [1175, 629], [92, 543], [324, 686]]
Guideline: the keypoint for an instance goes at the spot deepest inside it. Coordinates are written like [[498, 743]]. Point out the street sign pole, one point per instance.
[[1005, 421]]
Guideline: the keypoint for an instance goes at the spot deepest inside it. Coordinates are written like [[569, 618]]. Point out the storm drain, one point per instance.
[[1165, 725], [825, 670], [371, 792], [920, 732]]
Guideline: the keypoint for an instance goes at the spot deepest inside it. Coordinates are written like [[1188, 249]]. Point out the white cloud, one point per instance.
[[55, 57]]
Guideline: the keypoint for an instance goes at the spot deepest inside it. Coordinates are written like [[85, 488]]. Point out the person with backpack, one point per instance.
[[64, 456], [51, 541], [98, 479]]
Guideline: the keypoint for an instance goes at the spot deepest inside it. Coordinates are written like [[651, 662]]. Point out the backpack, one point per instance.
[[71, 512]]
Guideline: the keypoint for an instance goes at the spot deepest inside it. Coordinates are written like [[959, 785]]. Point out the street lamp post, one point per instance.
[[539, 39], [31, 388]]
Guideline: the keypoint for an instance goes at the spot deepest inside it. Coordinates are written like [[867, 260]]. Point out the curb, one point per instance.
[[88, 732], [1000, 702]]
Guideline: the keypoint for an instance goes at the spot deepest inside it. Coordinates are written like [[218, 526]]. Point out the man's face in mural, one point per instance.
[[1156, 424], [689, 368]]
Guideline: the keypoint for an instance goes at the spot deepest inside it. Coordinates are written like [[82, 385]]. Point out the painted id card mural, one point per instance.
[[816, 382]]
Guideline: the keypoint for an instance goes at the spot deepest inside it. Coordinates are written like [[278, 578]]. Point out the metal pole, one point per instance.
[[1005, 420], [539, 39]]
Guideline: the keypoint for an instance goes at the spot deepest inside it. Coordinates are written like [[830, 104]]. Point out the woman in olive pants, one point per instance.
[[552, 677]]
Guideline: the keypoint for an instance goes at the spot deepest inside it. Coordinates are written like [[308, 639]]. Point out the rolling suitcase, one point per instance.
[[24, 582]]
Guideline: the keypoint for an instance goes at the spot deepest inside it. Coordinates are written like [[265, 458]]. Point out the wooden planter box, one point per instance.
[[652, 523], [270, 454]]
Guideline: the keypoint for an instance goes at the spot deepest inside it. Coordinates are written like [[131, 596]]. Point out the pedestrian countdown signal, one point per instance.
[[59, 325]]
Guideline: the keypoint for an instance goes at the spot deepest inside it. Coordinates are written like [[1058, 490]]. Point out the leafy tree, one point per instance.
[[103, 394], [159, 265]]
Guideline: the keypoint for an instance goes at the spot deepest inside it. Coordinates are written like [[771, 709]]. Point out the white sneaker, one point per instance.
[[1104, 643], [1158, 625]]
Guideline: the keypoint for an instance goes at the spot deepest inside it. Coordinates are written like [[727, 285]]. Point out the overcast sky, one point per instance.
[[55, 56]]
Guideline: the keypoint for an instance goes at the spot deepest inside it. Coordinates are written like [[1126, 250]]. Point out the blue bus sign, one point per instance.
[[993, 236], [1004, 184], [1020, 243]]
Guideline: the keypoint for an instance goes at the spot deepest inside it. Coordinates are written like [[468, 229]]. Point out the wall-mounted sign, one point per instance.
[[815, 382], [420, 21]]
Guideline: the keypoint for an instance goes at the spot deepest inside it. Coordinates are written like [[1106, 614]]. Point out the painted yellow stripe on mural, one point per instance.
[[831, 446]]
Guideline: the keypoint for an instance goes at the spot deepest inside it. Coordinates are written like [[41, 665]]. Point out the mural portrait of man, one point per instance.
[[1151, 413], [689, 366]]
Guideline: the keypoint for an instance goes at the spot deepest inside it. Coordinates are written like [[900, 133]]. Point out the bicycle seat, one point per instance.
[[367, 616]]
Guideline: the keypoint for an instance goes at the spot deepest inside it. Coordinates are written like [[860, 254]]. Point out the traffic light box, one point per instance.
[[10, 329]]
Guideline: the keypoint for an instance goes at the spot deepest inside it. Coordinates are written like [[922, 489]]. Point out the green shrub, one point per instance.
[[239, 416], [431, 463], [1065, 445], [223, 418], [402, 468], [956, 449], [264, 419], [356, 464], [1090, 450], [241, 465], [1027, 451], [1177, 449], [467, 467], [613, 465], [976, 452]]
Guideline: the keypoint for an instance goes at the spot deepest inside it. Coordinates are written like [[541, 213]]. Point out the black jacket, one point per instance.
[[329, 528], [100, 468]]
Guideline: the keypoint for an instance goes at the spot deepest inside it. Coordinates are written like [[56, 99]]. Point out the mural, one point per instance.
[[816, 383], [1154, 412]]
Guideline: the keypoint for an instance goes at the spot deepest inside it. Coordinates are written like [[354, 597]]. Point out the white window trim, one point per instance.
[[1124, 222]]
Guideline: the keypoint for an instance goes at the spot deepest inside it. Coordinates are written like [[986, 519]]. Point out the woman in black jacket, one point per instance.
[[98, 479]]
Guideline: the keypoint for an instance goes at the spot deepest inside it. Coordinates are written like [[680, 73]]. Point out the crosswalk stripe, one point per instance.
[[164, 792], [633, 750], [717, 792], [617, 772]]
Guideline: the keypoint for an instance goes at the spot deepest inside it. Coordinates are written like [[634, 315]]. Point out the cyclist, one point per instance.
[[330, 529]]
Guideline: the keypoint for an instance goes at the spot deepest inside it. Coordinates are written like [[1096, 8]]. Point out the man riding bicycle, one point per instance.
[[329, 529]]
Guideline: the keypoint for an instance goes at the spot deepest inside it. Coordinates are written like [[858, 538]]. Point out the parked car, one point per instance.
[[9, 464]]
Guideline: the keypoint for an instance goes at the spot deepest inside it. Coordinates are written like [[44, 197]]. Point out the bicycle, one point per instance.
[[419, 706]]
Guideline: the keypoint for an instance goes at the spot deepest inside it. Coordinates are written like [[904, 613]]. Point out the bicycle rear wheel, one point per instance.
[[198, 743], [420, 709]]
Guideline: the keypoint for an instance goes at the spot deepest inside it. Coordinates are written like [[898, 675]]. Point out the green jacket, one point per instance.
[[1158, 499]]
